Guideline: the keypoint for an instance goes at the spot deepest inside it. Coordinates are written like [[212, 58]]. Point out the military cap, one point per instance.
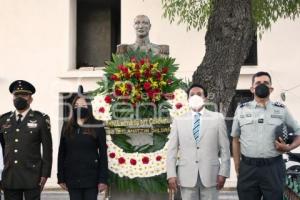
[[285, 132], [21, 86]]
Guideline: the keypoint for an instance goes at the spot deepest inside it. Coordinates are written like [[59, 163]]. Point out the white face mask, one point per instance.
[[196, 102]]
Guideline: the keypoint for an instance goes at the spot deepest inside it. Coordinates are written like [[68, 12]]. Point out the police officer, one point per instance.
[[257, 153], [23, 131]]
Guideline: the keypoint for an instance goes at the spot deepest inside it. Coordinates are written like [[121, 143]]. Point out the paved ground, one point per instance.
[[57, 195]]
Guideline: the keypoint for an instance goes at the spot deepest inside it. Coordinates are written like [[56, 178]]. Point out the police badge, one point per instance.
[[285, 132]]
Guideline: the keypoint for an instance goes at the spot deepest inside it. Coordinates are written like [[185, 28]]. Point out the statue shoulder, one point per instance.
[[164, 49], [122, 48]]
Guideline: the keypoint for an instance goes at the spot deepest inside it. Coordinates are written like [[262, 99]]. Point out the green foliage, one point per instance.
[[195, 13], [156, 184]]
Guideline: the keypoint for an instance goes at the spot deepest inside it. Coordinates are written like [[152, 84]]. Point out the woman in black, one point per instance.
[[82, 156]]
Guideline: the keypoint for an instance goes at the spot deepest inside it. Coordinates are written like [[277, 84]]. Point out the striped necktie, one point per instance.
[[196, 127]]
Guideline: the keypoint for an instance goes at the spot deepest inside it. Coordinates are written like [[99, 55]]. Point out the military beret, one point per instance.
[[285, 132], [21, 86]]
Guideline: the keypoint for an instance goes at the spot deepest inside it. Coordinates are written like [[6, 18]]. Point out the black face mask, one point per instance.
[[262, 91], [80, 112], [20, 103]]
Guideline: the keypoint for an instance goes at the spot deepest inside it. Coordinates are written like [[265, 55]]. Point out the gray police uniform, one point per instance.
[[262, 170]]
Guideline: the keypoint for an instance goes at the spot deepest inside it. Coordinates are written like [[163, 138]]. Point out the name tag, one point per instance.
[[32, 124], [277, 116]]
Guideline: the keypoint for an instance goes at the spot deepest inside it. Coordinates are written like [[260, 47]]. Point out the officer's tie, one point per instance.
[[19, 119], [196, 127]]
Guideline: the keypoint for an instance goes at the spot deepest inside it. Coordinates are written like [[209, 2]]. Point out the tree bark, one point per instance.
[[228, 40]]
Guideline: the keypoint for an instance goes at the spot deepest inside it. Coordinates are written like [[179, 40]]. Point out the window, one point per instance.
[[98, 31], [252, 56]]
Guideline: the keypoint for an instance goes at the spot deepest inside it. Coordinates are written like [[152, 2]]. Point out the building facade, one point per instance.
[[41, 41]]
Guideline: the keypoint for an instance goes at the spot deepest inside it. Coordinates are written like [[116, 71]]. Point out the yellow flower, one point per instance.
[[155, 65], [162, 83], [123, 88]]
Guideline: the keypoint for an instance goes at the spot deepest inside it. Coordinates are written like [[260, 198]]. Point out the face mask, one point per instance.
[[80, 112], [20, 103], [196, 102], [262, 91]]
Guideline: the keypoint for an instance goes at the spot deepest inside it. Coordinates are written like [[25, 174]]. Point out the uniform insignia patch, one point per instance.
[[278, 104], [277, 116], [5, 126], [48, 123], [32, 124], [248, 115]]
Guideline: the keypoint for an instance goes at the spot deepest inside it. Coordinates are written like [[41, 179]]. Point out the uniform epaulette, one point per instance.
[[6, 114], [45, 116], [243, 104], [278, 104], [41, 114]]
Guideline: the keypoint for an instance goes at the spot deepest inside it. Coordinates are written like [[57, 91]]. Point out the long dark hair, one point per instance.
[[71, 124]]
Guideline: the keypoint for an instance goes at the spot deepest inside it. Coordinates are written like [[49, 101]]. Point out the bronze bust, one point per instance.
[[142, 27]]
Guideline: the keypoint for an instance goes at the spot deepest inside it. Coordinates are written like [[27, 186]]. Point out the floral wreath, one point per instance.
[[136, 78]]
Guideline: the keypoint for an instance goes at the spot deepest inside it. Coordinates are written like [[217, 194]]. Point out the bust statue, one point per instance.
[[142, 27]]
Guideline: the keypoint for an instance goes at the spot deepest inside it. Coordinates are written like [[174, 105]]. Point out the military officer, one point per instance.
[[257, 153], [23, 131]]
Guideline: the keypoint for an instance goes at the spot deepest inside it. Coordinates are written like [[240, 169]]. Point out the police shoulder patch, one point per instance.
[[243, 104], [278, 104]]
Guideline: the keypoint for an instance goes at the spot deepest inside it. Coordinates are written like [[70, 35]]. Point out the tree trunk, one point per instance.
[[228, 40]]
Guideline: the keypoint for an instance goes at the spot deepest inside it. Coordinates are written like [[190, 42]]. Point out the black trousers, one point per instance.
[[83, 193], [31, 194], [265, 181]]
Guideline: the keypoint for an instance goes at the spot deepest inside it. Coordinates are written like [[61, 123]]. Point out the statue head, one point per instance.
[[142, 26]]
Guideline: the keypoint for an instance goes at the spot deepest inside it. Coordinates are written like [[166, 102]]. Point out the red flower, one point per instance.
[[145, 160], [121, 160], [150, 94], [138, 75], [129, 86], [147, 73], [112, 155], [137, 66], [147, 86], [158, 75], [156, 91], [123, 69], [138, 97], [114, 77], [133, 59], [178, 105], [165, 70], [158, 158], [101, 109], [142, 61], [107, 99], [118, 92], [127, 75], [169, 96], [132, 161]]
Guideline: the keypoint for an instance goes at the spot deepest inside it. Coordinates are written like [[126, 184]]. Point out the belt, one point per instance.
[[260, 161]]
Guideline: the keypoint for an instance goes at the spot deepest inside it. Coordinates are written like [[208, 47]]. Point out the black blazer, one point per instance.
[[82, 158]]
